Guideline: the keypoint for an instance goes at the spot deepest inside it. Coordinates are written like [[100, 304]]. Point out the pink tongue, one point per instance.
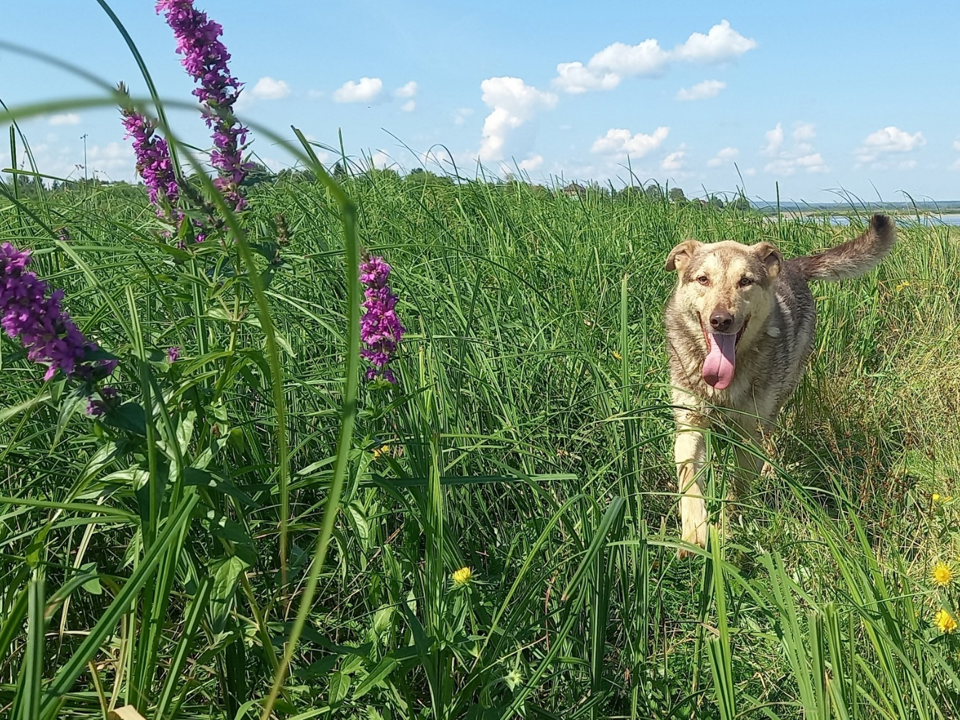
[[718, 367]]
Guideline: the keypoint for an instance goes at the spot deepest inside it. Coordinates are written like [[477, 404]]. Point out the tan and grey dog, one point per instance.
[[740, 327]]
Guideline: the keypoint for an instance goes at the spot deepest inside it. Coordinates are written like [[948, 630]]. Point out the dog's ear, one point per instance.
[[770, 257], [681, 254]]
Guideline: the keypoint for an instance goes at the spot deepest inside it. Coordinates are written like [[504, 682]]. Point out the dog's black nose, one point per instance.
[[721, 321]]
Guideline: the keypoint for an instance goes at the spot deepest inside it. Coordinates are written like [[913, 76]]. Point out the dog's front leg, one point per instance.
[[689, 453], [748, 456]]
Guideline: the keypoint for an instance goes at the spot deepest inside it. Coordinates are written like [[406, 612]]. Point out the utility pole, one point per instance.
[[84, 138]]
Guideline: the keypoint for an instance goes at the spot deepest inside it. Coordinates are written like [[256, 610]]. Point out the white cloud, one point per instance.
[[409, 106], [574, 78], [706, 89], [316, 94], [812, 162], [721, 43], [513, 104], [272, 164], [619, 141], [956, 144], [366, 90], [774, 140], [381, 160], [800, 155], [115, 160], [267, 88], [724, 156], [674, 161], [532, 162], [889, 140], [407, 91], [460, 117], [607, 68], [804, 131], [645, 58], [64, 119]]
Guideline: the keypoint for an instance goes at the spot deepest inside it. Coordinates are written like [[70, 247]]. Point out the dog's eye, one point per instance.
[[703, 280], [746, 282]]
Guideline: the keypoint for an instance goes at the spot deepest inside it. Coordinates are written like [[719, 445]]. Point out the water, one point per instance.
[[927, 220]]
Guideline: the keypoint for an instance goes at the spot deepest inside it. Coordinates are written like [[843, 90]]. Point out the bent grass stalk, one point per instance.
[[348, 215]]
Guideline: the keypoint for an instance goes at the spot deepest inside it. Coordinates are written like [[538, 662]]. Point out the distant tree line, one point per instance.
[[29, 185]]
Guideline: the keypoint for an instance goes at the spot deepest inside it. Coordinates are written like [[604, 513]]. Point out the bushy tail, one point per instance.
[[853, 258]]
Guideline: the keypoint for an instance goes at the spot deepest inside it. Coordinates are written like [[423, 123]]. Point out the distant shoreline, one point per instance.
[[866, 212], [948, 218]]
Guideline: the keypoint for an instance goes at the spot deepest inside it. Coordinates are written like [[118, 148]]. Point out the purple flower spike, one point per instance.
[[173, 353], [380, 328], [46, 332], [96, 408], [154, 164], [205, 60]]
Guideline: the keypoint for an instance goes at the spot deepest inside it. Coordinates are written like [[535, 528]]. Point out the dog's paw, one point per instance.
[[695, 535]]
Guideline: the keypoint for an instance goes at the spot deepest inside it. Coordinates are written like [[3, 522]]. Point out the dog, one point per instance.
[[740, 328]]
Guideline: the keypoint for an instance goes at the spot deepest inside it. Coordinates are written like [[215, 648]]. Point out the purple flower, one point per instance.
[[153, 164], [380, 328], [108, 397], [172, 354], [46, 332], [205, 60]]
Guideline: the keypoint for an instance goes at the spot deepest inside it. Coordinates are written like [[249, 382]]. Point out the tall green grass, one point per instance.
[[257, 532], [528, 439]]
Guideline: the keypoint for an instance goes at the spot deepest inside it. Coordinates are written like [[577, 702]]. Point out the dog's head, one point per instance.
[[721, 287]]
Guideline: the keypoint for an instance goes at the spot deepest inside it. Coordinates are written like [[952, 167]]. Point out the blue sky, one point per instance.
[[816, 96]]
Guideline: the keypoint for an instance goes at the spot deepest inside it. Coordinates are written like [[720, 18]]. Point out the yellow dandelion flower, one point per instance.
[[462, 577], [935, 497], [942, 574], [944, 622]]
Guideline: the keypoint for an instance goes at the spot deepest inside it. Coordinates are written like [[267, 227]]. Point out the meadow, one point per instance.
[[245, 525]]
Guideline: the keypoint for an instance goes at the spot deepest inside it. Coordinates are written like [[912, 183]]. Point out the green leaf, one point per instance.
[[92, 585], [129, 417], [225, 577], [73, 404], [193, 477], [223, 527], [339, 687], [376, 677]]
